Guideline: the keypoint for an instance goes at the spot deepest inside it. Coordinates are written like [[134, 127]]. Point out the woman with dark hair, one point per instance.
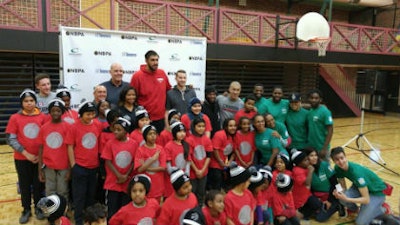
[[127, 105], [266, 143], [322, 185]]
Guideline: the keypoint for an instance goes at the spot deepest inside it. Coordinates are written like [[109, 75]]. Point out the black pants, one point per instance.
[[28, 178], [115, 200], [311, 207], [215, 178], [159, 125], [84, 190], [288, 221]]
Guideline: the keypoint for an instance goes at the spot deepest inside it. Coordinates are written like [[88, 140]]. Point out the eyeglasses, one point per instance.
[[118, 71]]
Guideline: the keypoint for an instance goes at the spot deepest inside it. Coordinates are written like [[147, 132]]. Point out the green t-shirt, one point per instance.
[[261, 106], [296, 123], [265, 142], [361, 176], [278, 110], [318, 119], [320, 179]]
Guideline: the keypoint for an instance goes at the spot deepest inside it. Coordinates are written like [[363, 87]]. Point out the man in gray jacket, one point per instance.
[[178, 97]]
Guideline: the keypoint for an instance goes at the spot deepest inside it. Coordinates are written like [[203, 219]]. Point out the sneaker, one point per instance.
[[25, 216], [342, 211], [39, 214]]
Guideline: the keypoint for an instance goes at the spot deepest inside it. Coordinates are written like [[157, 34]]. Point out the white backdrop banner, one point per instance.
[[87, 55]]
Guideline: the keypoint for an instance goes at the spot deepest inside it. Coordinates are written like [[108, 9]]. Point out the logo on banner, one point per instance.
[[103, 71], [197, 42], [129, 71], [128, 37], [75, 70], [171, 73], [195, 74], [175, 41], [152, 39], [102, 53], [129, 54], [196, 88], [74, 87], [103, 35], [75, 33], [75, 51], [198, 58], [174, 57]]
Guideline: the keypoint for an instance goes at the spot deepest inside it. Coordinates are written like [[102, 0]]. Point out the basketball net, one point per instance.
[[322, 44]]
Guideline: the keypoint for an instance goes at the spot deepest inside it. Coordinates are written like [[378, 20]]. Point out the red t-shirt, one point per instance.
[[283, 205], [210, 220], [300, 191], [151, 90], [104, 138], [187, 122], [131, 215], [245, 145], [164, 137], [174, 209], [239, 208], [272, 188], [85, 137], [174, 154], [55, 153], [199, 147], [224, 145], [241, 113], [70, 116], [144, 153], [122, 156], [26, 128], [138, 137], [104, 123]]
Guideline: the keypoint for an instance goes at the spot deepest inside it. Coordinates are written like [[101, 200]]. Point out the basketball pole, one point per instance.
[[358, 138]]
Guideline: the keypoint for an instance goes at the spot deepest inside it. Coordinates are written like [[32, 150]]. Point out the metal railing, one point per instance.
[[218, 25]]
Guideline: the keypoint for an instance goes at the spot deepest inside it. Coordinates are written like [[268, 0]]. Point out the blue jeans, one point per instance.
[[367, 212]]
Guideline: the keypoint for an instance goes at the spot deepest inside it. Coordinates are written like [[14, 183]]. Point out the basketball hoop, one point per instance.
[[322, 44]]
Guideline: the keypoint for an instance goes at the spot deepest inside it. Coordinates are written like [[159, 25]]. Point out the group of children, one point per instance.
[[149, 178]]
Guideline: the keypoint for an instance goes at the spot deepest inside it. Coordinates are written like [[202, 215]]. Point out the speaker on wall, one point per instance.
[[366, 81]]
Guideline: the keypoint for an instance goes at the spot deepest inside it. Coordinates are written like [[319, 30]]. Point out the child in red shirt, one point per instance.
[[223, 145], [282, 202], [150, 159], [176, 205], [200, 153], [257, 181], [83, 154], [142, 119], [142, 210], [194, 111], [106, 135], [54, 206], [248, 110], [119, 156], [244, 142], [306, 203], [70, 115], [101, 108], [265, 196], [23, 136], [239, 202], [213, 209], [53, 154], [166, 135], [177, 153]]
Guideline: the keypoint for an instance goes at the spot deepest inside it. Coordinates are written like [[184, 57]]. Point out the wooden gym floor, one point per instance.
[[382, 131]]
